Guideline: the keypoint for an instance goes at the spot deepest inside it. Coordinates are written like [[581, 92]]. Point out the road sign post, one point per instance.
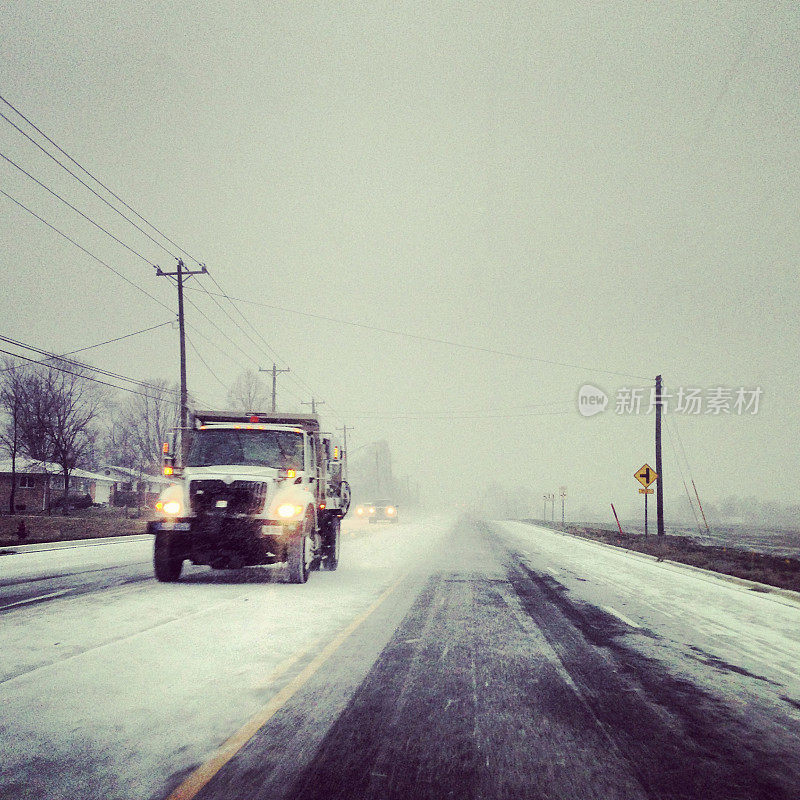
[[645, 475]]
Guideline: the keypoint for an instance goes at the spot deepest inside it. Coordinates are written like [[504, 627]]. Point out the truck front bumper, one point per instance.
[[220, 541]]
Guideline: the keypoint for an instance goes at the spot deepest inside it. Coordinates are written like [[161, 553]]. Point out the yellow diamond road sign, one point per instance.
[[645, 475]]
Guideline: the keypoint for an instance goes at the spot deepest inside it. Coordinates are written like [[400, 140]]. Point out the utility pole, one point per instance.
[[274, 372], [544, 510], [659, 470], [314, 403], [344, 431], [180, 277], [563, 492]]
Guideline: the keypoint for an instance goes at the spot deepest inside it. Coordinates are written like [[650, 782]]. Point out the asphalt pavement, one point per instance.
[[459, 664], [495, 684]]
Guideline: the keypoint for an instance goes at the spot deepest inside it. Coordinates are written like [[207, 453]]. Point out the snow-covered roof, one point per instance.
[[136, 475], [50, 468]]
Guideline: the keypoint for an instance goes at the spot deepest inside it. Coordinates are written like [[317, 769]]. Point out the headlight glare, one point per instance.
[[289, 510]]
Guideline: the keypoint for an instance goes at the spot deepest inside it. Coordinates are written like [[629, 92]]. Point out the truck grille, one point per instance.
[[218, 497]]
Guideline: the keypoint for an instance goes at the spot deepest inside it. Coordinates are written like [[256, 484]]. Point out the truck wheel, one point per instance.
[[298, 552], [167, 565], [330, 553]]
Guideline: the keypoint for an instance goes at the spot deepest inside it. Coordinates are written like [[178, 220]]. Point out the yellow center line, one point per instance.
[[206, 771]]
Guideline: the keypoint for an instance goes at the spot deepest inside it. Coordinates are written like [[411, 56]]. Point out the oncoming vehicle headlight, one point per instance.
[[289, 510], [390, 510], [171, 501]]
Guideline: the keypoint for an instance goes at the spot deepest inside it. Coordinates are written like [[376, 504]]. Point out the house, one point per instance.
[[129, 482], [40, 482]]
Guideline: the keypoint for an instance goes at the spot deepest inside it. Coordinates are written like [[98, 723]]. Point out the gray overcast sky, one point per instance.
[[612, 185]]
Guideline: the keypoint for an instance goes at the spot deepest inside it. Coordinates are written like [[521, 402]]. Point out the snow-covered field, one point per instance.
[[737, 643], [105, 693]]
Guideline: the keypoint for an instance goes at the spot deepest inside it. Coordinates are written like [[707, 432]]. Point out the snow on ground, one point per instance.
[[134, 682], [688, 620], [37, 561]]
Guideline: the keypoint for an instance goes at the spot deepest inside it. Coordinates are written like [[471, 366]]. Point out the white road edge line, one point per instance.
[[34, 599], [621, 616]]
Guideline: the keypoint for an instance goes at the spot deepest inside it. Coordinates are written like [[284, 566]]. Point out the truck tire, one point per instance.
[[330, 551], [298, 552], [166, 563]]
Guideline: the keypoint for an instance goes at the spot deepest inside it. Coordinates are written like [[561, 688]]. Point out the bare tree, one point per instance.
[[50, 407], [248, 393], [11, 405], [76, 404], [141, 423]]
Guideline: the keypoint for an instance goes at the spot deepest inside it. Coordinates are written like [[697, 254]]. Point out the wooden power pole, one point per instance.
[[659, 468], [180, 276], [274, 372], [314, 403]]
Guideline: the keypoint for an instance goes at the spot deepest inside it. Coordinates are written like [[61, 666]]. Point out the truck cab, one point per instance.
[[259, 488]]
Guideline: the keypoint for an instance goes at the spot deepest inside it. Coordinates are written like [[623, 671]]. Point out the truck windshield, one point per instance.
[[257, 448]]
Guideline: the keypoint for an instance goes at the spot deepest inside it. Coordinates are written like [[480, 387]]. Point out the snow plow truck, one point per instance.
[[256, 488]]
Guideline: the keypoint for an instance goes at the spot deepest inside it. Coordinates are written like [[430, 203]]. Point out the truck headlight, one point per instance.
[[289, 510], [171, 501]]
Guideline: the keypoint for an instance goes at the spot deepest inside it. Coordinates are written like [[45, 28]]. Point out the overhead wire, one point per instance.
[[107, 202], [81, 365], [79, 375], [680, 471], [101, 344], [221, 292], [108, 266], [205, 364], [96, 179], [83, 183], [113, 236], [436, 340], [422, 417], [87, 252], [449, 414], [293, 375], [110, 205], [77, 210]]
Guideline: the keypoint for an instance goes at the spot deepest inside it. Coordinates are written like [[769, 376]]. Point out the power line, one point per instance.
[[680, 470], [89, 219], [101, 344], [80, 365], [96, 180], [451, 413], [293, 375], [203, 362], [79, 375], [435, 340], [296, 377], [87, 252], [421, 417], [83, 183], [77, 211]]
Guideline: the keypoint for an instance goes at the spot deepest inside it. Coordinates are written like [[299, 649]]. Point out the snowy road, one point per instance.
[[443, 659]]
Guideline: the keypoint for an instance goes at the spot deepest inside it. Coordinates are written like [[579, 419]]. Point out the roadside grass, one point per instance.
[[92, 523], [778, 571]]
